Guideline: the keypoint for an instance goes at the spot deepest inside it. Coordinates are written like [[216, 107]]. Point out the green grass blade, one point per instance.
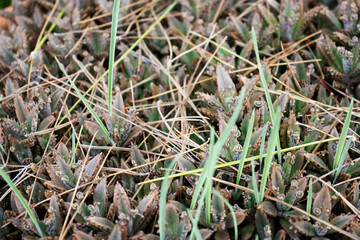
[[202, 178], [215, 151], [195, 227], [344, 152], [270, 153], [114, 24], [208, 176], [219, 144], [163, 193], [53, 25], [227, 164], [254, 182], [309, 197], [2, 149], [23, 201], [266, 90], [344, 132], [96, 117], [246, 146], [77, 145], [123, 56], [231, 211], [262, 145]]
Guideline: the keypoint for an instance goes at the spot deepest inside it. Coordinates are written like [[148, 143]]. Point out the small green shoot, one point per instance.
[[114, 24], [23, 202]]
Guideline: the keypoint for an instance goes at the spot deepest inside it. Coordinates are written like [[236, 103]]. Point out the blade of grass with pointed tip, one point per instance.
[[227, 164], [114, 24], [23, 201], [309, 197], [270, 153], [163, 193], [96, 117], [342, 158], [266, 90], [343, 134], [231, 211], [162, 16], [246, 146]]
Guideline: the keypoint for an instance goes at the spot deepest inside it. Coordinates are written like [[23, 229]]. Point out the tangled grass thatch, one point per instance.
[[213, 119]]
